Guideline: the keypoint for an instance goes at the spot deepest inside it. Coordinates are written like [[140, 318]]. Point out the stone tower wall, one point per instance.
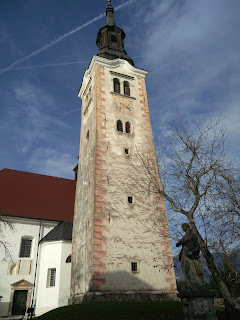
[[109, 233], [82, 239]]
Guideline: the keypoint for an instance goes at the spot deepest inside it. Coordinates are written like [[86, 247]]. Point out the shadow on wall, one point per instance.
[[122, 286], [118, 280]]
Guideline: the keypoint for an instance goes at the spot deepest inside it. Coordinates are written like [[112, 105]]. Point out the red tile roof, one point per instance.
[[31, 195]]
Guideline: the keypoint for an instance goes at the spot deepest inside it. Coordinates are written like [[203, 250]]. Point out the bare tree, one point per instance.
[[5, 227], [199, 183]]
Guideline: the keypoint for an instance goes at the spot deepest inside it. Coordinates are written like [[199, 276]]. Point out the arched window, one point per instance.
[[128, 127], [69, 259], [119, 126], [116, 85], [25, 248], [126, 88], [113, 39]]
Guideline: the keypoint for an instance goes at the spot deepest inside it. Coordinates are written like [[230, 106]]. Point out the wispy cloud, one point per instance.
[[34, 119], [52, 162], [192, 51], [62, 37]]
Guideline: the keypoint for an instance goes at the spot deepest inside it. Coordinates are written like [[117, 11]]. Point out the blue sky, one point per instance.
[[190, 47]]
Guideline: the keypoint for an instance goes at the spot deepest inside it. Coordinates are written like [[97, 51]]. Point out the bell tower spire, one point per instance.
[[110, 39], [109, 13]]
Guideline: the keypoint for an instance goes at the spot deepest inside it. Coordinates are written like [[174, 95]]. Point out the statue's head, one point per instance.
[[185, 227]]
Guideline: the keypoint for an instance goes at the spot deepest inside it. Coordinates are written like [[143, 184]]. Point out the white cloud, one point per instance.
[[52, 162]]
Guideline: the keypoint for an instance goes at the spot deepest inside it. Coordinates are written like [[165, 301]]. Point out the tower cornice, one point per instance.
[[112, 64]]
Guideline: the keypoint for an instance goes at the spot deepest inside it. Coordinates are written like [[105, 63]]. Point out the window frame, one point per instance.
[[137, 266], [127, 127], [132, 199], [51, 277], [127, 154], [126, 85], [116, 86], [22, 251], [119, 122]]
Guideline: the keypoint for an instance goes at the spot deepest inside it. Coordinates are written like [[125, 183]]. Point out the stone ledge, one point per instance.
[[111, 296], [196, 294]]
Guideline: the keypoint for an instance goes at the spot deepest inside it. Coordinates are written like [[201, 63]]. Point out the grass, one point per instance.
[[117, 311], [167, 310]]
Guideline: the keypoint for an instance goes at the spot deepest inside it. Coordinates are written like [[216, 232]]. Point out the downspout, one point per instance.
[[35, 275]]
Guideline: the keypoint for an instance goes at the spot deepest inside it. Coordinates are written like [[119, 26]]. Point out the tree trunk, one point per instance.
[[229, 300]]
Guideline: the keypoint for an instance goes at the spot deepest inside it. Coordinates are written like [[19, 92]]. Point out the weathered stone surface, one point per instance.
[[119, 296], [199, 308]]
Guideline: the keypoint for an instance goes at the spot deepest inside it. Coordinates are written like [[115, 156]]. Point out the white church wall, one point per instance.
[[65, 274], [53, 256], [19, 268]]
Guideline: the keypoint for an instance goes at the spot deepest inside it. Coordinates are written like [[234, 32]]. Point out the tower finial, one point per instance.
[[109, 13]]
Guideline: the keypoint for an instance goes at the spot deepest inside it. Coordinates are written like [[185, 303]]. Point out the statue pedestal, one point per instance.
[[198, 305]]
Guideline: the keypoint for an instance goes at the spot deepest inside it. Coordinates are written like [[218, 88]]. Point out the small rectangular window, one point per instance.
[[134, 267], [25, 250], [126, 151], [51, 280], [130, 199]]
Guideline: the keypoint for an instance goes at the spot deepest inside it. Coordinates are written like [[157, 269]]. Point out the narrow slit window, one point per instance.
[[126, 88], [87, 135], [116, 85], [119, 126], [128, 127], [134, 267]]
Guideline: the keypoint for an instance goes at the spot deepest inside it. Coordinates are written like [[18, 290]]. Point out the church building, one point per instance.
[[35, 269], [98, 237]]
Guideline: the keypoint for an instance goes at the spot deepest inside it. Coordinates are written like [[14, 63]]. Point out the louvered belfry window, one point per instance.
[[114, 40], [116, 85], [25, 250], [126, 88]]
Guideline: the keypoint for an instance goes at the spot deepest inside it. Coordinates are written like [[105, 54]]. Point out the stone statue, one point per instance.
[[190, 260]]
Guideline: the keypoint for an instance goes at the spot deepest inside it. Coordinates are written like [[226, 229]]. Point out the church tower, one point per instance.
[[121, 243]]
